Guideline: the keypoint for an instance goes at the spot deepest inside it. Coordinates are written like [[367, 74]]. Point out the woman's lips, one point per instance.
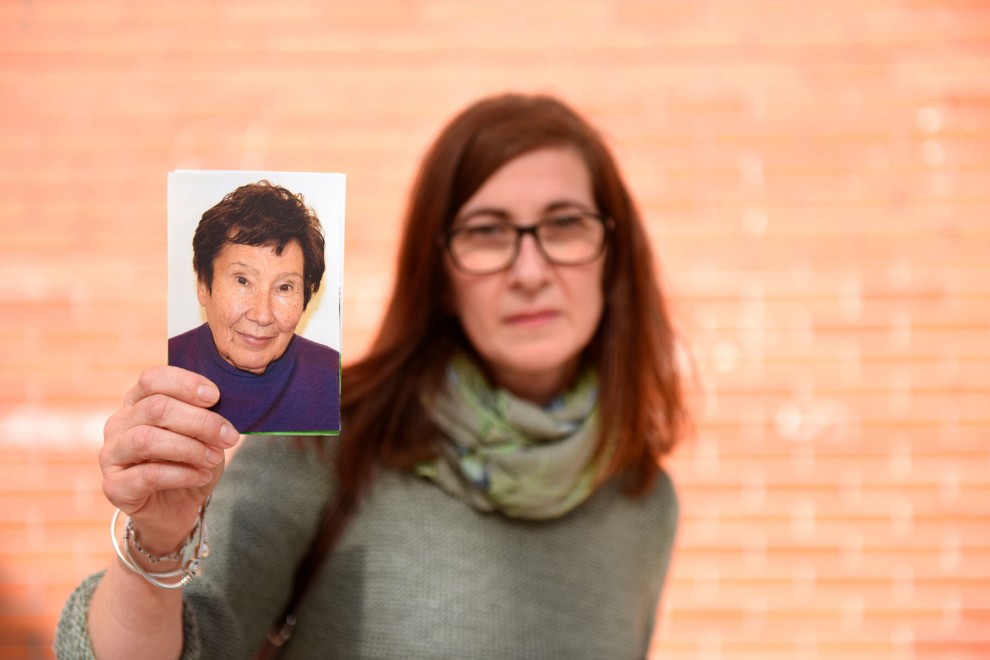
[[531, 318], [254, 341]]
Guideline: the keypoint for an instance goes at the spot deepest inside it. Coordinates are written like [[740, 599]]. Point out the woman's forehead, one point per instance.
[[261, 257], [536, 180]]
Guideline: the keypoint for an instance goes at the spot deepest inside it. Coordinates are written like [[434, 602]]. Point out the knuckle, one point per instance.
[[151, 475], [111, 426], [107, 485], [114, 488], [156, 407], [142, 441], [145, 382], [110, 489]]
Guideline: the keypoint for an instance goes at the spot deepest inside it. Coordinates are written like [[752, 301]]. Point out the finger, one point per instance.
[[165, 412], [145, 444], [130, 487], [178, 383]]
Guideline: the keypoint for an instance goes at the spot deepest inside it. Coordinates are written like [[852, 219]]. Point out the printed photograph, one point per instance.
[[254, 294]]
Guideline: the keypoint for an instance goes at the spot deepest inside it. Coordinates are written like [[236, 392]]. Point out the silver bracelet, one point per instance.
[[130, 537], [193, 567]]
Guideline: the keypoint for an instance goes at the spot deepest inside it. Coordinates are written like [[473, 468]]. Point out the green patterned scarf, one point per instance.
[[501, 453]]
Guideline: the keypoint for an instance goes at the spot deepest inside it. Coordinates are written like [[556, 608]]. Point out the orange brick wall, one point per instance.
[[816, 175]]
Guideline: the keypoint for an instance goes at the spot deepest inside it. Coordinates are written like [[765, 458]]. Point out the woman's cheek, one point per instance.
[[288, 311], [232, 307]]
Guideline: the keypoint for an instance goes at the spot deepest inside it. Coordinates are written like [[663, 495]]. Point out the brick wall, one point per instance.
[[816, 175]]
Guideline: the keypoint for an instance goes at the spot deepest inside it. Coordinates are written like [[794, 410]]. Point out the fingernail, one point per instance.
[[228, 436], [213, 456], [205, 476], [206, 394]]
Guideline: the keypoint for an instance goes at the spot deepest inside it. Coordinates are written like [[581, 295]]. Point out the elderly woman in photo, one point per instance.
[[259, 258]]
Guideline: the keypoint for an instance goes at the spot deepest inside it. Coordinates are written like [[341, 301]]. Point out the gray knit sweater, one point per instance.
[[419, 574]]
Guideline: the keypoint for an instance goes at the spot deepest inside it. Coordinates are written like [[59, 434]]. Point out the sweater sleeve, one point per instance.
[[72, 633], [261, 521]]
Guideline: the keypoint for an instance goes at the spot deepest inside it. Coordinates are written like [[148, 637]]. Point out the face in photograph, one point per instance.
[[255, 303]]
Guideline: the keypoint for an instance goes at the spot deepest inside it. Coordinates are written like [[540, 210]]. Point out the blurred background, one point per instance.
[[816, 178]]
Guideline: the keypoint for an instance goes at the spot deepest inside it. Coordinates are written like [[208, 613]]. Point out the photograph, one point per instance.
[[255, 264]]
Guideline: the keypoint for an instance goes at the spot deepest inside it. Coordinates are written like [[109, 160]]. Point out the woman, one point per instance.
[[504, 434]]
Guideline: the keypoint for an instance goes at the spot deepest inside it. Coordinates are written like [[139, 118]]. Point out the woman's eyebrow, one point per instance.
[[566, 204], [502, 214], [240, 265]]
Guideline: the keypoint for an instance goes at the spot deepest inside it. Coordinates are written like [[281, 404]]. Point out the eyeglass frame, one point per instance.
[[448, 235]]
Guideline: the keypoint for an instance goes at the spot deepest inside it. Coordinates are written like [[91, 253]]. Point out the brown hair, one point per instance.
[[641, 405], [261, 214]]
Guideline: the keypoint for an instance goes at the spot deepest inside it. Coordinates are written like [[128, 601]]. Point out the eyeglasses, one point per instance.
[[564, 239]]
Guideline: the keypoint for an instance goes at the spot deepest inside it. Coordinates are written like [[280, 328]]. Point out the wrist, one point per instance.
[[162, 536], [180, 566], [149, 555]]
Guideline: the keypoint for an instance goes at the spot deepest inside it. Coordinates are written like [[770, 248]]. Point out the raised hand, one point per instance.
[[162, 453]]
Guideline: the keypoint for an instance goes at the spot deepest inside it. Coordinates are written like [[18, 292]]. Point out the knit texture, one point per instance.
[[72, 633], [418, 574]]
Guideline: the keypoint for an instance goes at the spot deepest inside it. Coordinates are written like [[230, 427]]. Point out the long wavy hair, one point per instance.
[[641, 402]]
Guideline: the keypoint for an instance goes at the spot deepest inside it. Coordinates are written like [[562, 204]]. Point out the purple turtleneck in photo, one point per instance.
[[298, 393]]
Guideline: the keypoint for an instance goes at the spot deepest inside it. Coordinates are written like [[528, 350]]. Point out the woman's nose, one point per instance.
[[260, 309], [530, 268]]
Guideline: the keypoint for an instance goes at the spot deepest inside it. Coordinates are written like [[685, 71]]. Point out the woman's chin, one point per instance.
[[255, 366]]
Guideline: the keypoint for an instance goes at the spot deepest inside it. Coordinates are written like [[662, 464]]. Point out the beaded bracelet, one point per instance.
[[193, 568], [130, 536]]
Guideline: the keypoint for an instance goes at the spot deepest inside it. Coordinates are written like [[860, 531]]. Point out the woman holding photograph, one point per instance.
[[499, 466]]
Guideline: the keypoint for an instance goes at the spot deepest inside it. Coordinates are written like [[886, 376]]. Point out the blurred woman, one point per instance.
[[500, 458]]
